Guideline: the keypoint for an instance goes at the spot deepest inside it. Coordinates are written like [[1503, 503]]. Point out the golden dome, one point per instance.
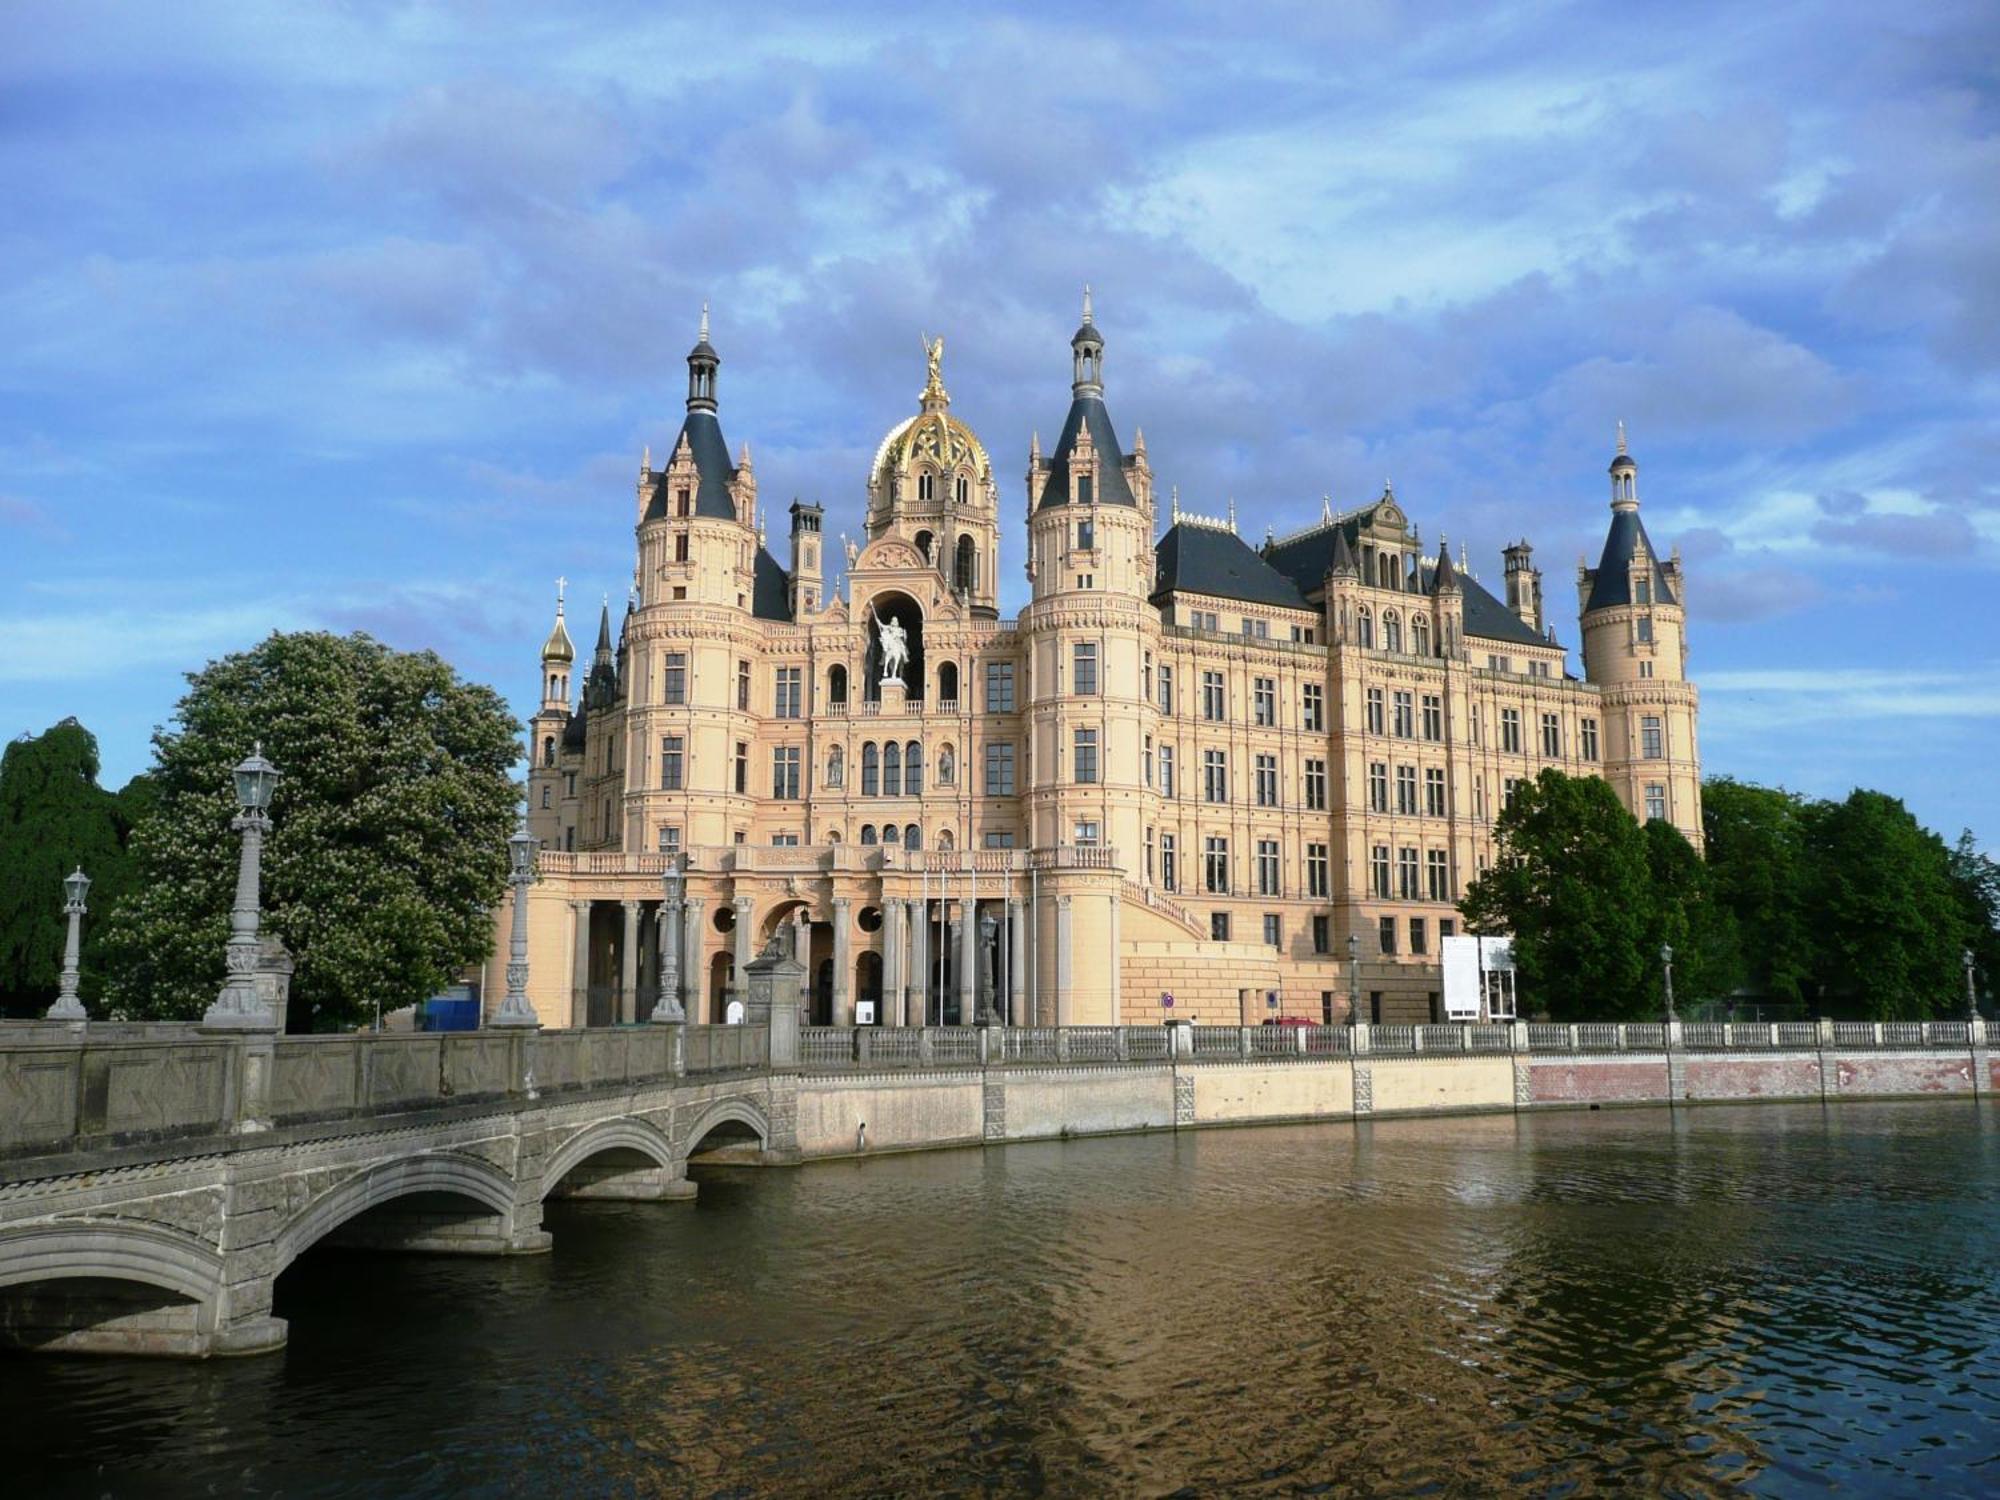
[[557, 647], [933, 438]]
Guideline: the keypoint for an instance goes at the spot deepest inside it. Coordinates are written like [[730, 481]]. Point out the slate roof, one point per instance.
[[1613, 583], [1306, 560], [1490, 620], [711, 460], [1112, 488], [1203, 560], [771, 590]]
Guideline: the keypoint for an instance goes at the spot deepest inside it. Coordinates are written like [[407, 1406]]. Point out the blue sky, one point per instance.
[[359, 316]]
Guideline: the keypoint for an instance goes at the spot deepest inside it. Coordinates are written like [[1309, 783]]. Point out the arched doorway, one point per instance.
[[721, 976], [868, 983]]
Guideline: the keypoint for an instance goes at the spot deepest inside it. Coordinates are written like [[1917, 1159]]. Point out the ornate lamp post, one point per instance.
[[238, 1004], [68, 1007], [1667, 969], [667, 1009], [514, 1007], [1971, 989], [1353, 979]]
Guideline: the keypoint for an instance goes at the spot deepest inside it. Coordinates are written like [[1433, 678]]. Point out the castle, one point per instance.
[[1194, 779]]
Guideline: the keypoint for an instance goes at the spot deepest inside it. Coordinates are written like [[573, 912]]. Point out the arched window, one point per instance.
[[965, 572], [1420, 635], [1392, 631], [1387, 576], [889, 833], [892, 770], [1364, 627], [913, 837], [964, 489], [836, 685], [913, 768], [1444, 642], [867, 833], [545, 796], [833, 835], [871, 771], [948, 682], [924, 545], [548, 749], [926, 485]]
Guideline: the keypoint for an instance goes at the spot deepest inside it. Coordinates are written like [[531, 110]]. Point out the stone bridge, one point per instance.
[[155, 1183]]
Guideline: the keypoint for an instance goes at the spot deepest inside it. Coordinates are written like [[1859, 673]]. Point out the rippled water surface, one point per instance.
[[1782, 1299]]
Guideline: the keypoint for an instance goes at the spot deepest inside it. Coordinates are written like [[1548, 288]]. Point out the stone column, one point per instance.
[[843, 964], [893, 1003], [628, 965], [695, 962], [579, 979], [917, 983], [1017, 976], [968, 962], [1063, 942], [987, 926], [744, 952], [669, 1008]]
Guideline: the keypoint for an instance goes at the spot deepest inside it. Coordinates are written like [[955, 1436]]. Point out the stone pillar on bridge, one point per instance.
[[968, 962], [843, 964], [628, 965], [743, 907], [1017, 973], [579, 979], [917, 983], [989, 966]]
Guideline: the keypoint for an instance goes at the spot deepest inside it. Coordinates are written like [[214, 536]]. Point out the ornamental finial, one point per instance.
[[1086, 302], [1621, 437], [704, 324]]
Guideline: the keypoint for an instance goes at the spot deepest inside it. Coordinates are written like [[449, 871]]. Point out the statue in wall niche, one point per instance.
[[944, 766], [895, 641], [836, 767]]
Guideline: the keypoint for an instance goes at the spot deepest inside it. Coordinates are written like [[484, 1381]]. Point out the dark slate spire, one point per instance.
[[1087, 414], [604, 631], [702, 432], [1343, 555], [703, 362], [1611, 584], [1444, 577]]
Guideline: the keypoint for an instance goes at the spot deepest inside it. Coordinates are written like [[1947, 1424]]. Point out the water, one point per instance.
[[1784, 1299]]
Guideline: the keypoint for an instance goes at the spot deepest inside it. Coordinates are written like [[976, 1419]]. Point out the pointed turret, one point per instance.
[[558, 655], [1344, 565], [1444, 577], [1098, 473]]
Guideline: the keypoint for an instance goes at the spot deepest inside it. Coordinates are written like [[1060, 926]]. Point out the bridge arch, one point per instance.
[[723, 1114], [621, 1135], [112, 1250], [109, 1286], [462, 1177]]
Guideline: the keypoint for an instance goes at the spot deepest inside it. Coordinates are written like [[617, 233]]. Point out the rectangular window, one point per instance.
[[1433, 717], [1587, 733], [789, 694], [1419, 938], [1218, 926], [1643, 591], [670, 839], [1267, 868], [1085, 753], [1385, 934], [1406, 716], [1316, 871], [999, 687], [1447, 927], [1434, 791], [1322, 940], [1645, 630], [999, 768], [1375, 720], [1166, 688], [1211, 696], [1264, 699], [1552, 736], [1216, 870], [1656, 803], [1267, 781], [1149, 856], [1509, 791], [1146, 757], [1086, 535], [892, 770], [1083, 833], [672, 760], [1215, 777], [1406, 791], [743, 686], [1646, 668], [1083, 667], [785, 773], [1146, 675], [1313, 710], [1170, 876], [674, 688], [1273, 930], [1510, 730], [1378, 786], [1649, 737], [1378, 870], [682, 551], [1166, 770], [742, 768], [1406, 874], [999, 839], [1437, 878], [1315, 779]]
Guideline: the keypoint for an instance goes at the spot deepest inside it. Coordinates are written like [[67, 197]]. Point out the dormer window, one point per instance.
[[1085, 492], [683, 501], [1643, 591], [1086, 534]]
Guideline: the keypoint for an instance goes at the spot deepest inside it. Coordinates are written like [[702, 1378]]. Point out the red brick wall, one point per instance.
[[1597, 1080]]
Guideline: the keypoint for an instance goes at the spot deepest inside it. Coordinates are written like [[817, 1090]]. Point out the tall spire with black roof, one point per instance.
[[703, 362]]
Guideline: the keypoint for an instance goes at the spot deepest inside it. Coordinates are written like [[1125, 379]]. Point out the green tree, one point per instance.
[[53, 818], [1684, 916], [1977, 876], [1754, 840], [1889, 920], [1572, 884], [387, 850]]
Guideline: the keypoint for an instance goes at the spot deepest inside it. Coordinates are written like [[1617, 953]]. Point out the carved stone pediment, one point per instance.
[[888, 554]]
